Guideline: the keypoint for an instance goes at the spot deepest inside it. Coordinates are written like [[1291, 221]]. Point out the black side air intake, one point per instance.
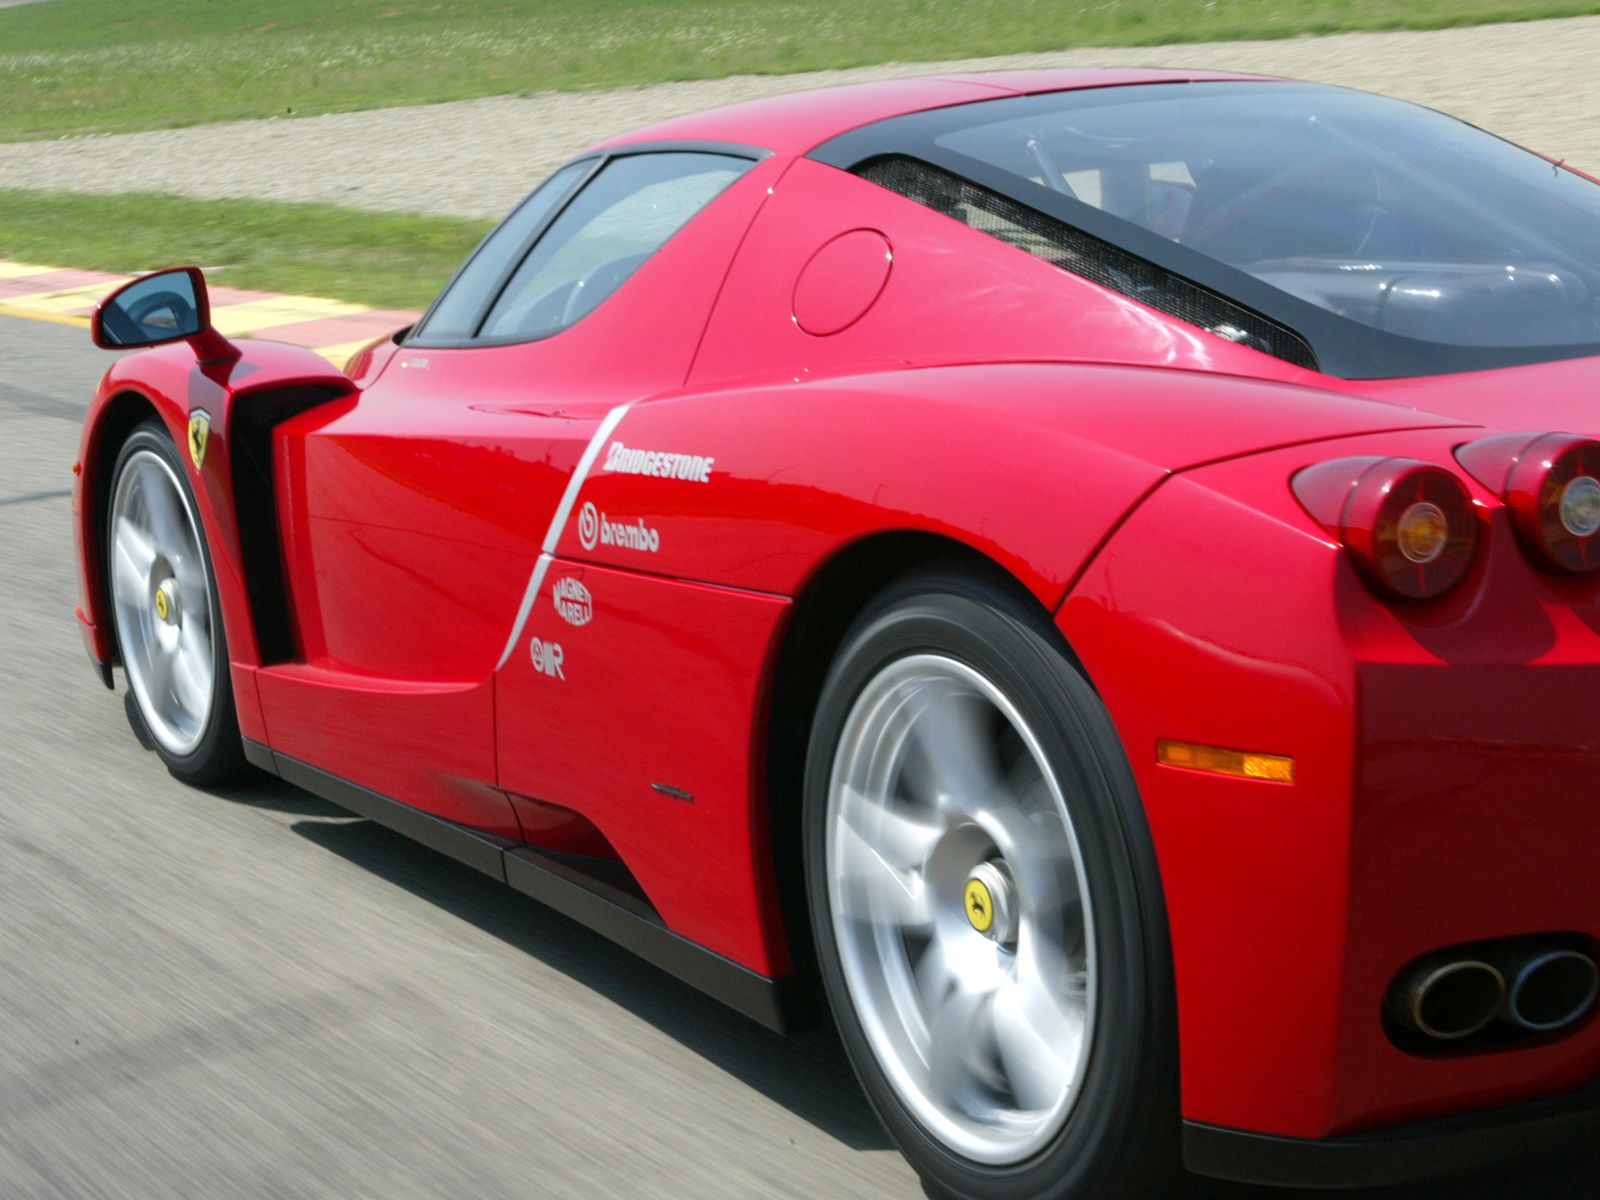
[[256, 508]]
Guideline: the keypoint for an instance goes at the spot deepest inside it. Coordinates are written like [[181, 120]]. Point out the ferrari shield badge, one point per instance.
[[980, 905], [199, 434]]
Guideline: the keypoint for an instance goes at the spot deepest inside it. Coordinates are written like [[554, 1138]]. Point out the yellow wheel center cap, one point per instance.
[[980, 905], [166, 602]]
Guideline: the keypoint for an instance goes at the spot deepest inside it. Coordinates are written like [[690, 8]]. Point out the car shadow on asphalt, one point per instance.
[[806, 1072], [257, 789], [260, 790]]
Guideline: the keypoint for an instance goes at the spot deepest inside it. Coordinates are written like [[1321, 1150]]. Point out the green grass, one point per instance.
[[73, 66], [386, 260]]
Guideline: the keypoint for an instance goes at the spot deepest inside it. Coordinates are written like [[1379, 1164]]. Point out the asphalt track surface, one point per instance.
[[251, 994]]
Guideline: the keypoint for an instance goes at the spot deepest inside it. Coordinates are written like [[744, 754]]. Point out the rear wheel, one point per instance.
[[165, 612], [985, 904]]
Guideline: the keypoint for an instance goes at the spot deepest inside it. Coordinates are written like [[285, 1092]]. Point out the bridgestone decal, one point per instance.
[[692, 468]]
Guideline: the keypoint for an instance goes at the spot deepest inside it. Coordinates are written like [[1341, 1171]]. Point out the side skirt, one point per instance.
[[562, 884]]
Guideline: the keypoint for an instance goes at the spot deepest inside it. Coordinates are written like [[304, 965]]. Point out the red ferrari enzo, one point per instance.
[[1097, 570]]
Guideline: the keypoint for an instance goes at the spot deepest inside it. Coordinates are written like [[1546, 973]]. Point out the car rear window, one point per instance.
[[1329, 211]]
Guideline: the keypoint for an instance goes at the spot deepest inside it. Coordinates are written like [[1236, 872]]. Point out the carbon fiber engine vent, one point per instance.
[[1073, 250]]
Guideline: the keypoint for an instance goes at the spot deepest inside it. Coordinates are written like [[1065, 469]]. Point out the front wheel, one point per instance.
[[985, 903], [165, 612]]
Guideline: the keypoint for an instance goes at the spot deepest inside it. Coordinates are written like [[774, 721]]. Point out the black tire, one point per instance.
[[218, 756], [1120, 1139]]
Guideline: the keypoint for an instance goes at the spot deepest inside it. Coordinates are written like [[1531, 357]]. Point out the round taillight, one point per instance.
[[1408, 525], [1580, 506], [1550, 483], [1553, 492]]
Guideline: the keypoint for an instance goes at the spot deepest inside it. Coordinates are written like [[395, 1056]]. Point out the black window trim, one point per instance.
[[597, 160], [1302, 354], [1344, 348]]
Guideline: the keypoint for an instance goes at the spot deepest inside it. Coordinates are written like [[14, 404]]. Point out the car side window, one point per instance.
[[624, 215], [456, 312]]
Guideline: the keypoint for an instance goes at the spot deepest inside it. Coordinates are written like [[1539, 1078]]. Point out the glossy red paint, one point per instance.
[[944, 273], [663, 685], [411, 515], [842, 280], [775, 525], [480, 630], [1412, 819], [169, 383], [794, 123], [1553, 395], [367, 363]]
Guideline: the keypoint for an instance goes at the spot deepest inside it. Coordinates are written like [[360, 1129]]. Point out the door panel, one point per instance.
[[409, 528], [622, 682], [430, 744], [412, 518], [410, 525]]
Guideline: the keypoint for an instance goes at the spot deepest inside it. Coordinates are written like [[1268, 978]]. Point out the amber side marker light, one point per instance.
[[1218, 760]]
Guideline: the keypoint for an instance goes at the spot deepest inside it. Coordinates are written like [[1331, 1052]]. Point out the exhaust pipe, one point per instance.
[[1447, 998], [1550, 988]]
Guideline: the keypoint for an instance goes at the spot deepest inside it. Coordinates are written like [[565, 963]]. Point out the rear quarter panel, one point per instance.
[[1443, 786], [673, 676], [1030, 464]]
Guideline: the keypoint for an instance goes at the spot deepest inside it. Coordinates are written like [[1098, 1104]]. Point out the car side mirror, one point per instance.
[[152, 310]]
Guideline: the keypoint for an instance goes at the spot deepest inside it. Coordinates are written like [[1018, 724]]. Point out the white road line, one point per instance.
[[558, 524]]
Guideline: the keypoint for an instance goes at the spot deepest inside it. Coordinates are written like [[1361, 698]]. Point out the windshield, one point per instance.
[[1379, 212]]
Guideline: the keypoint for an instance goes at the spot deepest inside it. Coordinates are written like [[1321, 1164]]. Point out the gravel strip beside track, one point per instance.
[[1530, 82]]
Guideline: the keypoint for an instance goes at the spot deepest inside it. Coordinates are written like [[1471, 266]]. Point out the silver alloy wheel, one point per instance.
[[162, 597], [978, 1001]]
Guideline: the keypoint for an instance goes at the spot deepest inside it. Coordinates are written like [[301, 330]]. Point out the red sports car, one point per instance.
[[1095, 573]]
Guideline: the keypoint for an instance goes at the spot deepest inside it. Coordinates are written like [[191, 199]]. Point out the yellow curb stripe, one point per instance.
[[238, 320], [15, 270], [85, 295], [30, 314], [340, 354], [231, 320]]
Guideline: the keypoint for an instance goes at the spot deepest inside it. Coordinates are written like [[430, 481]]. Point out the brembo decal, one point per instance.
[[558, 524], [596, 529], [572, 600], [694, 468], [547, 658], [589, 526]]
